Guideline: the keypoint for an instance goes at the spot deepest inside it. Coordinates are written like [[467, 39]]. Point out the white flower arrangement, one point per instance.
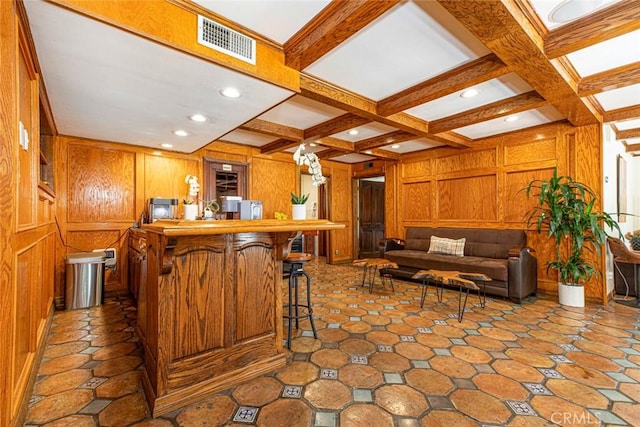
[[313, 162]]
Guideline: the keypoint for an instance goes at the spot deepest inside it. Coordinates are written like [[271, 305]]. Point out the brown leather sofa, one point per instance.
[[500, 254], [626, 268]]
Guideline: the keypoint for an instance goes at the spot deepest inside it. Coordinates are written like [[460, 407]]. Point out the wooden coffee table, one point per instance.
[[464, 281], [371, 266]]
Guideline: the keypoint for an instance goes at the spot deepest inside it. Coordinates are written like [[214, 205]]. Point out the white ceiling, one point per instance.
[[105, 83]]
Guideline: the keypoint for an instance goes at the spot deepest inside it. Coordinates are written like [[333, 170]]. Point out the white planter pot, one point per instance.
[[571, 295], [190, 212], [299, 212]]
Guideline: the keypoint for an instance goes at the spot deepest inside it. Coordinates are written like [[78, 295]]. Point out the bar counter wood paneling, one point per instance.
[[214, 305]]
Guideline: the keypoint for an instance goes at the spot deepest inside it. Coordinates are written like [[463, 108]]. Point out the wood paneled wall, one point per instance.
[[103, 189], [480, 186], [27, 232]]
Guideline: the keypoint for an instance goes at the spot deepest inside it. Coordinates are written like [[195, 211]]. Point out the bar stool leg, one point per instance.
[[309, 309], [291, 285]]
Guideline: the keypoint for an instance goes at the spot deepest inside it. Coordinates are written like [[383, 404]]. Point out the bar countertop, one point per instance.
[[225, 226]]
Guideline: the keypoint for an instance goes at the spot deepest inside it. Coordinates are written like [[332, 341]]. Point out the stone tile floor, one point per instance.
[[380, 360]]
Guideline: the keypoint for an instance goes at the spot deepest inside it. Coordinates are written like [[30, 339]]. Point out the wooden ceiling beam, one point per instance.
[[621, 114], [632, 148], [505, 29], [382, 140], [327, 154], [623, 76], [332, 26], [336, 144], [628, 134], [273, 129], [278, 145], [505, 107], [482, 69], [383, 154], [613, 21], [336, 125], [334, 96]]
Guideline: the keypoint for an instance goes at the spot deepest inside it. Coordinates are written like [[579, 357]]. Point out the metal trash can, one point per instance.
[[85, 280]]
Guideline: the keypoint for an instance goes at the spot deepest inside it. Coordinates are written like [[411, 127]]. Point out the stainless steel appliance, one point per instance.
[[250, 209], [160, 208], [230, 205]]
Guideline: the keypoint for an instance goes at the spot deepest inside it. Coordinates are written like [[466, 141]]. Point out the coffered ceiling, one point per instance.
[[377, 79]]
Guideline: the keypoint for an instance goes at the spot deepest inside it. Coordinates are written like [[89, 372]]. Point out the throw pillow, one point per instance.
[[441, 245]]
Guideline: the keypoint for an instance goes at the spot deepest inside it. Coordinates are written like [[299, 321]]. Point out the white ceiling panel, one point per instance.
[[240, 136], [365, 131], [129, 85], [619, 98], [566, 8], [406, 46], [352, 158], [525, 119], [413, 145], [629, 124], [488, 92], [276, 20], [616, 52], [300, 112]]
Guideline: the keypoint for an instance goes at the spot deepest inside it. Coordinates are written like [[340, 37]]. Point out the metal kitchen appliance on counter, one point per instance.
[[160, 208], [250, 209]]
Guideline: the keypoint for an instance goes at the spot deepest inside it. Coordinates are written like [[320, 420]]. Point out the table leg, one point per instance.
[[483, 299], [425, 284], [461, 306]]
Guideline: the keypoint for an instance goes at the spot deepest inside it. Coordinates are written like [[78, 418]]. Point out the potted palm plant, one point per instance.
[[565, 208]]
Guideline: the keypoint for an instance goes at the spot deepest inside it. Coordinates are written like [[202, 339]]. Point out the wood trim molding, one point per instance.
[[626, 75], [625, 113], [338, 124], [273, 129], [628, 134]]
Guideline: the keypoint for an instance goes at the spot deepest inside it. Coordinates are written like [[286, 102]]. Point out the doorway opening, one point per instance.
[[316, 242], [370, 216]]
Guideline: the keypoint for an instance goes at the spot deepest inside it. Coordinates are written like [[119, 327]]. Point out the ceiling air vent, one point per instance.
[[226, 40]]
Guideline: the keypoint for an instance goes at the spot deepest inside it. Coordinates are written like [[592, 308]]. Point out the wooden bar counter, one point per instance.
[[212, 305]]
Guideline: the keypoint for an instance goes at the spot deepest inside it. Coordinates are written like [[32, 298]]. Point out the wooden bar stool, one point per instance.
[[295, 262]]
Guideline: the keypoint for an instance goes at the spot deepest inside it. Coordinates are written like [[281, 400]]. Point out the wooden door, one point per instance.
[[371, 217]]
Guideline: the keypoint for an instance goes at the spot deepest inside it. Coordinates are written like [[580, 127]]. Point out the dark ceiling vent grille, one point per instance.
[[226, 40]]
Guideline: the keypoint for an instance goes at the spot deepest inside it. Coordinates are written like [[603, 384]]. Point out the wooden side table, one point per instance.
[[371, 266], [464, 281]]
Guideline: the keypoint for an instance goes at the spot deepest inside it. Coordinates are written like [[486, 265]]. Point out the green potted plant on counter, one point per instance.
[[299, 206], [565, 208]]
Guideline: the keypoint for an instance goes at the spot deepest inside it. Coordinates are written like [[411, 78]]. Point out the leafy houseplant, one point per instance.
[[634, 239], [299, 200], [565, 208]]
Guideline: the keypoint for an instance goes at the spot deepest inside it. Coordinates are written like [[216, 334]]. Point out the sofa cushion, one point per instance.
[[441, 245], [497, 269]]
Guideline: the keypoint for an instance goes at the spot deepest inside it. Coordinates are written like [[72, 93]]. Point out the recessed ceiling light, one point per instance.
[[469, 93], [353, 132], [165, 145], [312, 144], [157, 153], [569, 10], [368, 152], [511, 119], [198, 117], [230, 92], [180, 132], [395, 146]]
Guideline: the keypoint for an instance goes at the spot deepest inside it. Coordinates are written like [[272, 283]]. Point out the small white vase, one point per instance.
[[299, 212], [190, 212], [571, 295]]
